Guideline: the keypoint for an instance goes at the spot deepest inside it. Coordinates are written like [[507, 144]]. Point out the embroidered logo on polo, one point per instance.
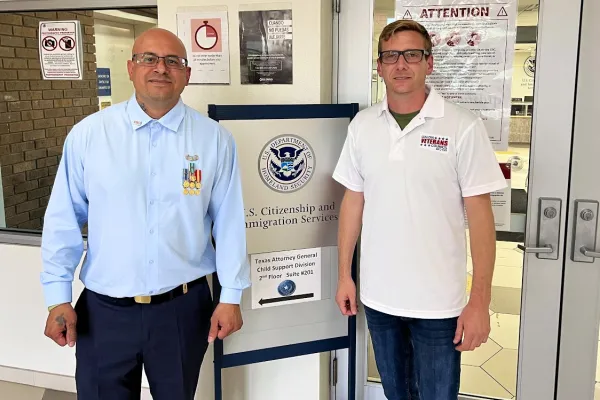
[[192, 177], [286, 163], [436, 143]]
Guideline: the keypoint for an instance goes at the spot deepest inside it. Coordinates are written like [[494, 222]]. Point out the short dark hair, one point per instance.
[[404, 25]]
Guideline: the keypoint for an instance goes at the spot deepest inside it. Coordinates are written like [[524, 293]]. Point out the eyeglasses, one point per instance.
[[410, 56], [151, 60]]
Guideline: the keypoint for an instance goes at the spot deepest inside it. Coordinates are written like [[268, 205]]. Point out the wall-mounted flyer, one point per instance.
[[473, 50], [266, 46], [61, 50], [205, 35]]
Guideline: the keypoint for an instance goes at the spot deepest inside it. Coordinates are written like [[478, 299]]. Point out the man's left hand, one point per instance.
[[226, 319], [473, 327]]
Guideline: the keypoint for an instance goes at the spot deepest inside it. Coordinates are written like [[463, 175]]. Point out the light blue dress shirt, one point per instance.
[[123, 173]]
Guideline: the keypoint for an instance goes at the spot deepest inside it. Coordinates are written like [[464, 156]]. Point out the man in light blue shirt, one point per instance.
[[155, 181]]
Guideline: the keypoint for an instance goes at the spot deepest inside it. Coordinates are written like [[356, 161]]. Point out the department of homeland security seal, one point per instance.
[[286, 163]]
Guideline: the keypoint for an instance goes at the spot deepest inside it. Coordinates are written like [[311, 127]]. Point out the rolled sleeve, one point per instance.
[[62, 240], [478, 169], [229, 228]]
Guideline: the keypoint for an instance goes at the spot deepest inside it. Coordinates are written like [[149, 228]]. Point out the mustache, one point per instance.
[[162, 78]]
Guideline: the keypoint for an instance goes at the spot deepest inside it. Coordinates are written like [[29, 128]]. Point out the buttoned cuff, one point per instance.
[[57, 293], [231, 296]]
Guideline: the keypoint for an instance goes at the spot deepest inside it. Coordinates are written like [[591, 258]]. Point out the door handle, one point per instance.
[[547, 249], [586, 226], [549, 218], [589, 253]]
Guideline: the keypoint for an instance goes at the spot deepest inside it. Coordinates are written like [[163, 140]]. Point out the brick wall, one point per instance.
[[36, 114]]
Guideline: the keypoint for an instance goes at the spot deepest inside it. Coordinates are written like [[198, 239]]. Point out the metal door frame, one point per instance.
[[578, 355]]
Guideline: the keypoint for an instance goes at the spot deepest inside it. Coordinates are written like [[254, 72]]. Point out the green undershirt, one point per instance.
[[404, 119]]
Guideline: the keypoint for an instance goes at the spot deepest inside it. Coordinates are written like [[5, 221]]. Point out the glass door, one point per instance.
[[520, 358], [579, 361]]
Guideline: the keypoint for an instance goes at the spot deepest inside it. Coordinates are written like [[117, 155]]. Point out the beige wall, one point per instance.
[[311, 53]]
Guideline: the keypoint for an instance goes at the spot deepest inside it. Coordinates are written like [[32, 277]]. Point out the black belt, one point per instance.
[[156, 299]]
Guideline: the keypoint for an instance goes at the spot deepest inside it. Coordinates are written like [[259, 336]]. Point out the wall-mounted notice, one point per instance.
[[205, 35], [473, 55], [285, 277], [104, 85], [266, 47], [61, 50]]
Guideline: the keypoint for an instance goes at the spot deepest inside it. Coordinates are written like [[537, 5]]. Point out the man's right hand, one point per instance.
[[61, 325], [346, 296]]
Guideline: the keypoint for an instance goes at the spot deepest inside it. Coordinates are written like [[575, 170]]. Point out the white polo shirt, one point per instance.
[[413, 243]]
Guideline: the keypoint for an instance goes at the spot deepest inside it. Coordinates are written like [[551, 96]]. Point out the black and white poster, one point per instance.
[[266, 47]]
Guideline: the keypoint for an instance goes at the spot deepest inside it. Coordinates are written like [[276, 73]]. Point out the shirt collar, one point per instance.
[[433, 107], [170, 120]]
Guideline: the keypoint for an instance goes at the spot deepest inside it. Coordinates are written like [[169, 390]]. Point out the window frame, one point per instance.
[[54, 5], [29, 237]]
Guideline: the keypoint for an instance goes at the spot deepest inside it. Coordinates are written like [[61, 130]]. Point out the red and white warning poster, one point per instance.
[[205, 35], [473, 55], [61, 50]]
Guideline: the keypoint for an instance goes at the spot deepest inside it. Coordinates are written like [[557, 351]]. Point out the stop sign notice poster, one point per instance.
[[61, 50]]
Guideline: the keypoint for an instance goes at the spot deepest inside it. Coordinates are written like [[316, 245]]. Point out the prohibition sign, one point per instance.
[[67, 43], [206, 36], [49, 43]]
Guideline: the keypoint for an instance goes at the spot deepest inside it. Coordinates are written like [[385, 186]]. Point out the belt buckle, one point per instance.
[[142, 299]]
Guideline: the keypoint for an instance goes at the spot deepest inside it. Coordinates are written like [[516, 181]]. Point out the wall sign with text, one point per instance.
[[104, 85], [61, 50], [473, 51]]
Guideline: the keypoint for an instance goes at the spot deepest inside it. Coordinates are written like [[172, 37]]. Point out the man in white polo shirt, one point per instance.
[[411, 165]]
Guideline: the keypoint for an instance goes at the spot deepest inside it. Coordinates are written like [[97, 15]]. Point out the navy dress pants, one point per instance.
[[114, 341]]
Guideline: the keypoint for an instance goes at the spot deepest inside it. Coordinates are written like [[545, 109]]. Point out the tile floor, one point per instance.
[[498, 357], [15, 391]]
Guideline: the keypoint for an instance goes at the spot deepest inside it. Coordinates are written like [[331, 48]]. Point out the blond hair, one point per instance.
[[402, 25]]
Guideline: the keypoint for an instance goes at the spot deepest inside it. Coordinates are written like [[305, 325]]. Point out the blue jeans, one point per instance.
[[416, 358]]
